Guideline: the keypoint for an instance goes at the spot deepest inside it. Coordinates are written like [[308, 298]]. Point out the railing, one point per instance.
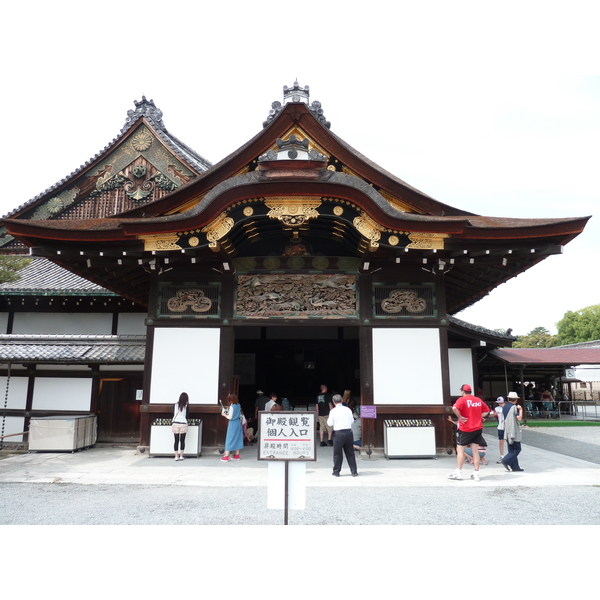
[[576, 406]]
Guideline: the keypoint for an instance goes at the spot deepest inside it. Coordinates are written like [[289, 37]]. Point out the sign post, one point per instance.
[[368, 411], [287, 437]]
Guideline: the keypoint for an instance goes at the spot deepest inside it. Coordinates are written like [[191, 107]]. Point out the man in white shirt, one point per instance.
[[340, 419]]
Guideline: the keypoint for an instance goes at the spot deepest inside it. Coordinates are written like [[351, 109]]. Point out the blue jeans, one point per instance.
[[510, 459]]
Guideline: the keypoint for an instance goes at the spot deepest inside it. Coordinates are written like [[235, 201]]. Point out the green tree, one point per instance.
[[10, 266], [580, 326], [539, 337]]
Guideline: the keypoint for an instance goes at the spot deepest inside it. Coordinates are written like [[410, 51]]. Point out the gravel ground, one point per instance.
[[70, 504], [164, 504]]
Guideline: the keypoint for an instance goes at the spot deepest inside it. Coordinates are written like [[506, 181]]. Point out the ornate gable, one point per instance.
[[142, 165]]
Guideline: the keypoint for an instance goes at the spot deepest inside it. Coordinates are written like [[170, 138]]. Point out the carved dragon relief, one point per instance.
[[296, 296]]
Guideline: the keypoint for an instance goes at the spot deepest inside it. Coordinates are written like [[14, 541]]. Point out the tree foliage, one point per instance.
[[580, 326], [539, 337], [10, 265]]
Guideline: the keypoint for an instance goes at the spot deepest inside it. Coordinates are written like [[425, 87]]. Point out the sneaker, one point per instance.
[[499, 461], [330, 443], [354, 474], [506, 466], [475, 476], [235, 457], [225, 458], [335, 474], [323, 444], [519, 469], [456, 475]]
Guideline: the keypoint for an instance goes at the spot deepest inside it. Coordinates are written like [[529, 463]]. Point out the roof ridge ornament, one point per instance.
[[148, 110], [297, 94]]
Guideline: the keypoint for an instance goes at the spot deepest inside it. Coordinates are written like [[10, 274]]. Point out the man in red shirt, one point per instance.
[[469, 411]]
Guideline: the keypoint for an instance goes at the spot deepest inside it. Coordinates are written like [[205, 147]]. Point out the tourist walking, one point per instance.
[[513, 415]]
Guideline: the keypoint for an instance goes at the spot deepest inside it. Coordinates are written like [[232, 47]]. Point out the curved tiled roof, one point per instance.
[[548, 356], [73, 349], [482, 330], [42, 276]]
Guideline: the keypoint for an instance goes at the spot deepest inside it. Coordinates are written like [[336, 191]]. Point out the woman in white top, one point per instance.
[[180, 425]]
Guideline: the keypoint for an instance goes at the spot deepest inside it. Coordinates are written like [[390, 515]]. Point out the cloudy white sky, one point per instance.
[[495, 110]]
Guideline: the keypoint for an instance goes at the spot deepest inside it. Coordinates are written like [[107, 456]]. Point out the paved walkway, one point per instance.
[[107, 464]]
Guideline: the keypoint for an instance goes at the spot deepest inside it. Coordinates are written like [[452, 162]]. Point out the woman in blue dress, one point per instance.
[[234, 441]]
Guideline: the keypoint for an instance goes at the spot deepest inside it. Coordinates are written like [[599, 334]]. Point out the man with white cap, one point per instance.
[[498, 414], [469, 411]]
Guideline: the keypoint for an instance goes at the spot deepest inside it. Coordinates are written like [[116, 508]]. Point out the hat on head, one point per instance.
[[259, 392], [513, 395], [465, 388], [500, 400]]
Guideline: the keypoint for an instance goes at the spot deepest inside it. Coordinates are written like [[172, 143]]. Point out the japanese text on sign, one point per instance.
[[287, 435]]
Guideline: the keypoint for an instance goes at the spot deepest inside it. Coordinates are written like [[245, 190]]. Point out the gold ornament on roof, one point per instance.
[[369, 229], [218, 229], [141, 141], [426, 241], [161, 242], [293, 211]]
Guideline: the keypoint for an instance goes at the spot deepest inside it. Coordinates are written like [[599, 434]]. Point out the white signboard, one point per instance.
[[287, 435]]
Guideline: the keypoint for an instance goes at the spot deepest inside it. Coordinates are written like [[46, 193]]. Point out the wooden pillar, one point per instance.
[[365, 342], [145, 416]]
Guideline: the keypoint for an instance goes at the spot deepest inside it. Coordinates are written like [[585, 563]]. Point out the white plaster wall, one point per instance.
[[131, 324], [185, 360], [14, 425], [60, 393], [63, 323], [407, 366], [3, 322], [460, 361], [17, 392]]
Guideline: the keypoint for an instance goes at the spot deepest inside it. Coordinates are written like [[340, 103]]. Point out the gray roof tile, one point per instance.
[[73, 349], [42, 276]]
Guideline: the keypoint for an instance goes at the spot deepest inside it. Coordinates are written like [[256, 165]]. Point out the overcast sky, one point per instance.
[[495, 111]]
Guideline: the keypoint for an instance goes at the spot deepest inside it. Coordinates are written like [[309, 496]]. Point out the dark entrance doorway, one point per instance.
[[295, 361], [118, 410]]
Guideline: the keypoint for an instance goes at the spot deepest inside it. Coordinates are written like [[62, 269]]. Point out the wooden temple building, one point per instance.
[[294, 261]]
